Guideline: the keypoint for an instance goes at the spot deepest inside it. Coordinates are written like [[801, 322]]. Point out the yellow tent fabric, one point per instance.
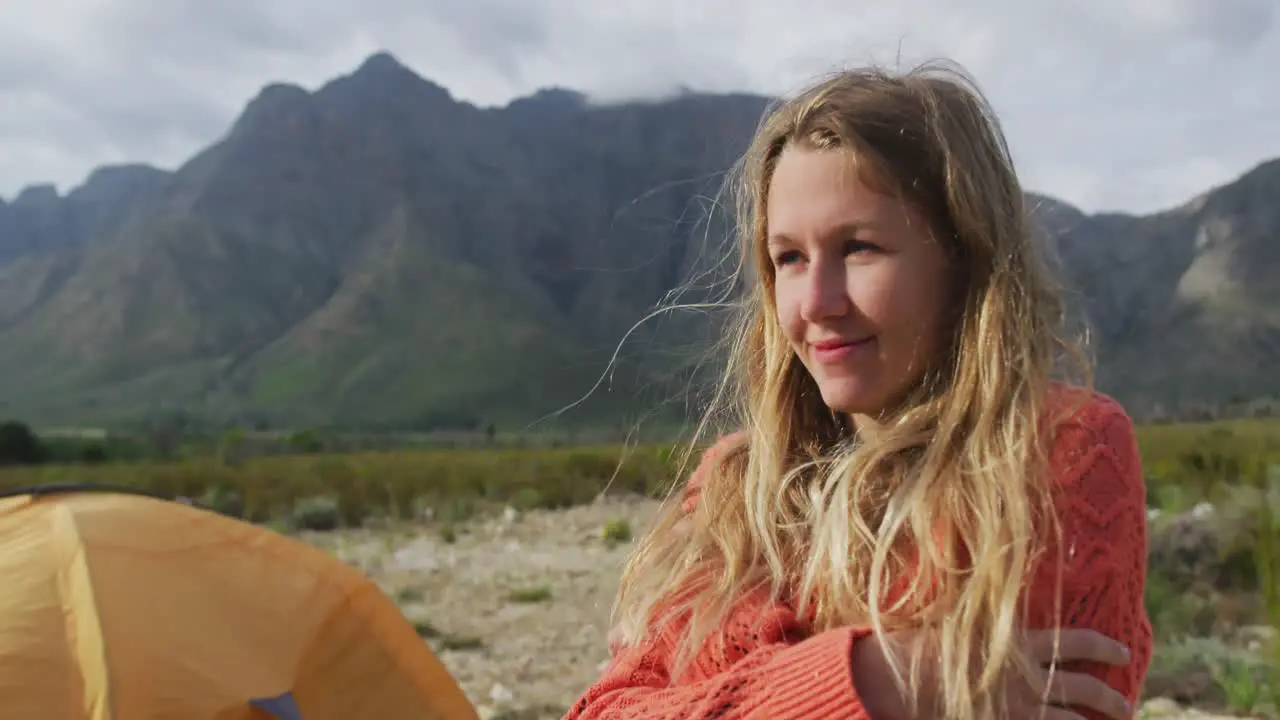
[[118, 606]]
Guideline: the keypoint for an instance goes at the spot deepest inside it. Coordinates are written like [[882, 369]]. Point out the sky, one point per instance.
[[1112, 105]]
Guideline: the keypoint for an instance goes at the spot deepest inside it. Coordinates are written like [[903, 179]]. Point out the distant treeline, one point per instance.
[[21, 444]]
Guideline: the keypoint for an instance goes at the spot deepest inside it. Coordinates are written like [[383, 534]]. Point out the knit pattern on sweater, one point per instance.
[[767, 664]]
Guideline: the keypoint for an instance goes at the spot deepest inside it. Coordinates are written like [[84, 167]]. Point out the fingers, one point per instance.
[[1075, 689], [1076, 644], [1087, 691]]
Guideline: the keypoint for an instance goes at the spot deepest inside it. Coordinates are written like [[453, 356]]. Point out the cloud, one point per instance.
[[1133, 106]]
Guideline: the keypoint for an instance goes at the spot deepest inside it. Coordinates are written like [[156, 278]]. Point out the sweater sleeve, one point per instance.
[[808, 680], [1102, 514], [775, 678]]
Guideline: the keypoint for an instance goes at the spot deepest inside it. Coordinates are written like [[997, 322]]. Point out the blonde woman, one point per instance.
[[909, 516]]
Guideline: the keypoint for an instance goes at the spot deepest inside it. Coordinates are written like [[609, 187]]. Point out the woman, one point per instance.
[[912, 519]]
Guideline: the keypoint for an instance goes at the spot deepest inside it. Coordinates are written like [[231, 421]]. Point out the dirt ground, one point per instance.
[[517, 607]]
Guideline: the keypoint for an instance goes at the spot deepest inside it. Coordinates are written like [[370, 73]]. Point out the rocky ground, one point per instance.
[[517, 606]]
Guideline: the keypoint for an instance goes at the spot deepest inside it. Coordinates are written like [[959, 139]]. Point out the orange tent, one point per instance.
[[116, 605]]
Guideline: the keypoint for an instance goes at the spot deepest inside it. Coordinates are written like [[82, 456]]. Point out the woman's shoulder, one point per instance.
[[710, 456], [1077, 403], [1083, 417], [1095, 449]]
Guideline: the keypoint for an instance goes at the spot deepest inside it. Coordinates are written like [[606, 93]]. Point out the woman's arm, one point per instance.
[[1102, 514], [808, 680]]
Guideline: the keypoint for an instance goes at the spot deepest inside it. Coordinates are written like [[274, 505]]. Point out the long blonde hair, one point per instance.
[[934, 516]]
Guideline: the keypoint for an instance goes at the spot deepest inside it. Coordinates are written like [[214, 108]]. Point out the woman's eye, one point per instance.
[[855, 246], [785, 258]]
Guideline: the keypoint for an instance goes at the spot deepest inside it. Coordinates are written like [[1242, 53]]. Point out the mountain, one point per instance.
[[377, 253], [374, 252], [1184, 304]]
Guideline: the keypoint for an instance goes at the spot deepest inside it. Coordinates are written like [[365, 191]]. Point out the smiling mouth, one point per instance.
[[833, 350], [837, 344]]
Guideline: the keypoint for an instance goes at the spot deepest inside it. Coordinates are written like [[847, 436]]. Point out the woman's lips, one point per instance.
[[835, 350]]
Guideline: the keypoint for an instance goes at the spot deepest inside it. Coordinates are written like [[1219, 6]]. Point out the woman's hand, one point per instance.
[[1050, 693]]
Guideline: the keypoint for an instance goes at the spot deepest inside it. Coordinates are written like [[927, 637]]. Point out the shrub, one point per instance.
[[617, 531], [222, 500], [317, 513], [19, 445], [425, 629], [460, 642], [526, 499], [409, 594], [1266, 479], [448, 534], [1205, 672], [531, 595]]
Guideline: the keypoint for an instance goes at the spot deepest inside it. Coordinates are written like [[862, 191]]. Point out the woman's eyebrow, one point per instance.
[[848, 227]]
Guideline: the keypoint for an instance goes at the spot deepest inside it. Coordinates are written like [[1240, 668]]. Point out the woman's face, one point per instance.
[[861, 284]]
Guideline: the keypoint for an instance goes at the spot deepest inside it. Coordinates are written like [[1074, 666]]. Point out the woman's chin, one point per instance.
[[851, 396]]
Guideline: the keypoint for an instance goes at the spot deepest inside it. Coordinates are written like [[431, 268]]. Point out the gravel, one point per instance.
[[517, 606]]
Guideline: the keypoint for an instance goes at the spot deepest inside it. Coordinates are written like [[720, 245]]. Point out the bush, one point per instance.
[[460, 642], [426, 630], [538, 594], [1266, 480], [222, 500], [318, 513], [1214, 570], [1205, 672], [617, 531], [527, 499], [19, 445]]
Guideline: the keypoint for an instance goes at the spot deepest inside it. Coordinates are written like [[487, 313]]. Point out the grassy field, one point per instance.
[[454, 483], [1185, 465]]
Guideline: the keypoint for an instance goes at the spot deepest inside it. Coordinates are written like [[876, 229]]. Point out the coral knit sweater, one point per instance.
[[769, 665]]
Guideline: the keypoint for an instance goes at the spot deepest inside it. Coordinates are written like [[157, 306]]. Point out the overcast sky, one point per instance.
[[1127, 105]]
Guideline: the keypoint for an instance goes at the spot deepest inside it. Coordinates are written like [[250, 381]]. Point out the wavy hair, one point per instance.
[[933, 515]]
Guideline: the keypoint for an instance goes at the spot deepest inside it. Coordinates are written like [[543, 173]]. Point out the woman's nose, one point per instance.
[[825, 294]]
